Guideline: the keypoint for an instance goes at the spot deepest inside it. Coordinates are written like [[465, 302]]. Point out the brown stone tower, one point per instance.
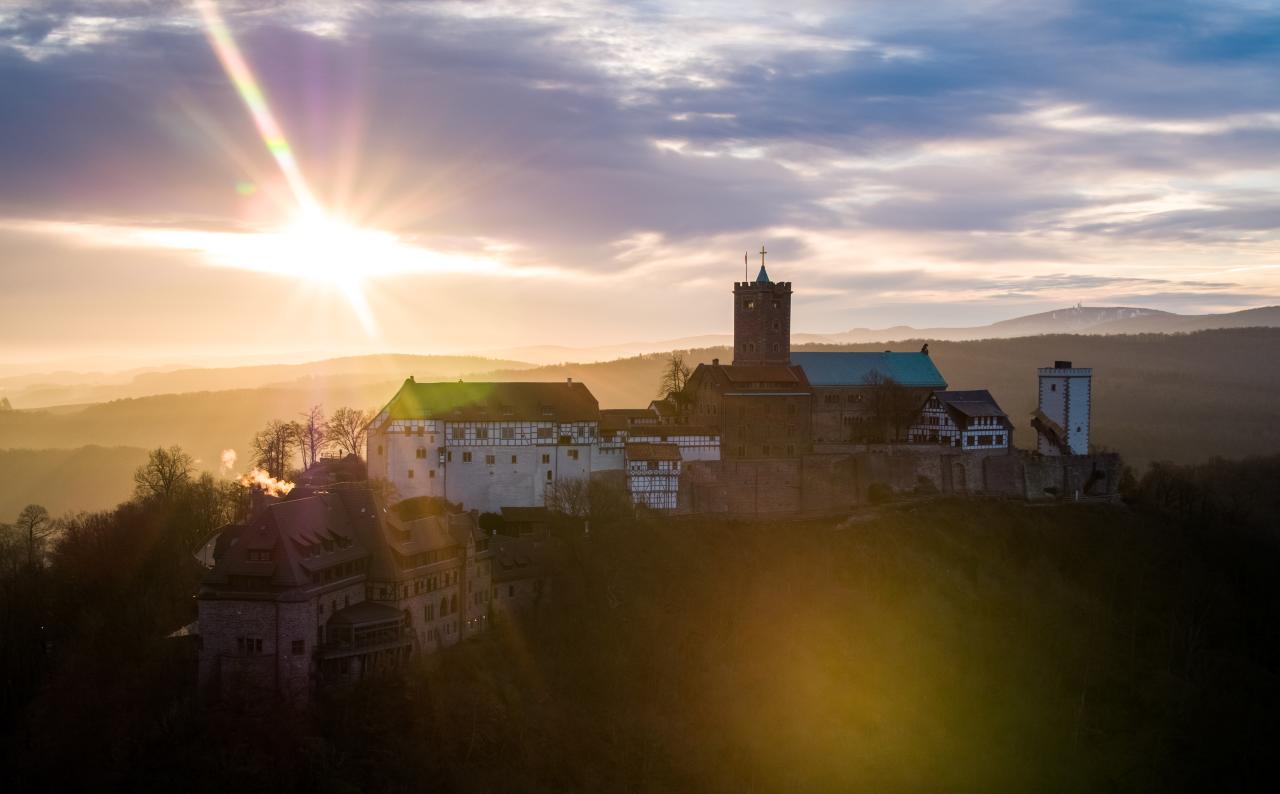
[[761, 321]]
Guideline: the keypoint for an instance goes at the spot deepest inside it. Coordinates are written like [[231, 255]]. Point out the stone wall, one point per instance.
[[831, 481], [230, 670]]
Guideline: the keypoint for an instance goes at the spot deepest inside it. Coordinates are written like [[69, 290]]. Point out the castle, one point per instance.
[[340, 578], [772, 433]]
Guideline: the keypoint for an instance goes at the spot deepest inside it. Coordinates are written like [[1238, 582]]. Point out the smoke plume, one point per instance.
[[259, 478], [228, 460]]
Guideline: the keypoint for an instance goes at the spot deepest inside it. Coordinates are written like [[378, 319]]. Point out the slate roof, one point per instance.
[[664, 408], [520, 558], [653, 452], [859, 368], [973, 403], [294, 530], [493, 402], [623, 418], [350, 518]]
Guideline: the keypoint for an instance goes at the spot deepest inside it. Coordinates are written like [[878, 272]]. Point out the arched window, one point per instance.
[[444, 606], [453, 603]]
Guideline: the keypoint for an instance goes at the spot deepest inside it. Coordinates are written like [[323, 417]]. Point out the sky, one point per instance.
[[223, 181]]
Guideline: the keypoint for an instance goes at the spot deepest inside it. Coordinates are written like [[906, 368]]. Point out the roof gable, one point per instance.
[[971, 403]]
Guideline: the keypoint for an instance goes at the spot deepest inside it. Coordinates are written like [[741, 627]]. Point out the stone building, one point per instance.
[[522, 575], [329, 583], [862, 397], [761, 321]]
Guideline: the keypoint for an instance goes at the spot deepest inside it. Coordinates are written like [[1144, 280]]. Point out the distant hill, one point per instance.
[[64, 480], [1184, 398], [1074, 320], [62, 388]]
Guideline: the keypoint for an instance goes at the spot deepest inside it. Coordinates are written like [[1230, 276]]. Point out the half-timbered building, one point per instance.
[[968, 420], [653, 474]]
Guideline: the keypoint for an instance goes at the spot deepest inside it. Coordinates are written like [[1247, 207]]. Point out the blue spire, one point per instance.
[[763, 277]]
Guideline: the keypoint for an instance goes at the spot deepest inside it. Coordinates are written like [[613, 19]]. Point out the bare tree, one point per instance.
[[893, 407], [207, 505], [273, 447], [347, 429], [164, 473], [569, 495], [675, 374], [34, 522], [312, 436]]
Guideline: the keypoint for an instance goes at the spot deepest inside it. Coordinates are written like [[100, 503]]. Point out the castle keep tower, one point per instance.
[[761, 321]]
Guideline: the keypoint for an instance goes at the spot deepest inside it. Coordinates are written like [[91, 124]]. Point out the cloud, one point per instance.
[[1127, 144]]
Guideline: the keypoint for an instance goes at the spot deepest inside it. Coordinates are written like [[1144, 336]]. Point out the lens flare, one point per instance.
[[246, 84]]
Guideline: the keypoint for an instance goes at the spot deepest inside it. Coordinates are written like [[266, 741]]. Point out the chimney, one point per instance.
[[259, 500], [715, 362], [568, 381]]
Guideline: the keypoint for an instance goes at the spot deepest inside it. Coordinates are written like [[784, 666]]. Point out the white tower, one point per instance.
[[1062, 420]]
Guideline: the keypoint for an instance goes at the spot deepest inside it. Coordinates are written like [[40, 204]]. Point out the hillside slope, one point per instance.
[[951, 646]]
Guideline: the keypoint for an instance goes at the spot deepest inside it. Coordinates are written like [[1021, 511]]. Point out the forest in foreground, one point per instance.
[[957, 645]]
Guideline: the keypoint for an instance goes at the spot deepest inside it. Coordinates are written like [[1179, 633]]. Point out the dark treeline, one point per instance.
[[971, 645]]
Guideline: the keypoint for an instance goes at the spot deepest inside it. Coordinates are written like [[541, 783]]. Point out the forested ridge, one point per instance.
[[1182, 398], [961, 645]]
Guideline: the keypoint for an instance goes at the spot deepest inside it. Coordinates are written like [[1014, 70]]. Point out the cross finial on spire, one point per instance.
[[762, 253]]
